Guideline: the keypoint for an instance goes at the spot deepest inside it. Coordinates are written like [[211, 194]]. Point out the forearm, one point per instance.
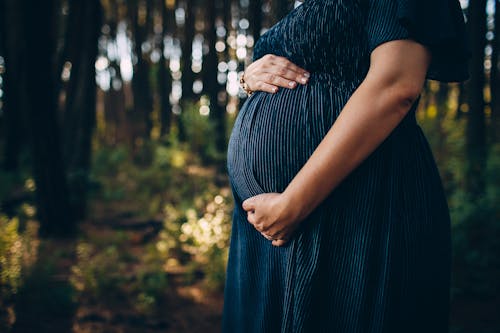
[[367, 119]]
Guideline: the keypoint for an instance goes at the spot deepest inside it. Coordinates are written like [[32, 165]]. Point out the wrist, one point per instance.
[[244, 84], [293, 206]]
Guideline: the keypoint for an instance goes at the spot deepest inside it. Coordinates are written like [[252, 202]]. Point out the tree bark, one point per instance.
[[462, 99], [187, 50], [280, 8], [11, 44], [116, 111], [53, 207], [211, 84], [143, 101], [475, 132], [164, 77], [84, 22], [495, 68], [256, 18], [442, 96]]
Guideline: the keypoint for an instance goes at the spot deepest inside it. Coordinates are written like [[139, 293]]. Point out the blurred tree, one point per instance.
[[167, 9], [12, 50], [475, 133], [227, 18], [462, 99], [227, 6], [442, 94], [495, 67], [53, 206], [83, 30], [140, 12], [187, 50], [210, 82], [117, 119], [256, 18], [279, 8]]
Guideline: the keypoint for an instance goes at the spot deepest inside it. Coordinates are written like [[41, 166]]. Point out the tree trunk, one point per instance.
[[164, 77], [256, 18], [143, 102], [119, 128], [462, 99], [442, 96], [475, 132], [53, 208], [495, 68], [11, 41], [62, 55], [280, 8], [187, 50], [211, 84], [84, 22]]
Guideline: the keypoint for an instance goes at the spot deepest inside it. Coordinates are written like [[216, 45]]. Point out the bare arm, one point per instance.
[[394, 81]]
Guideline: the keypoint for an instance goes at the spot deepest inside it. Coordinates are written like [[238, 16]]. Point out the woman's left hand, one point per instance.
[[272, 216]]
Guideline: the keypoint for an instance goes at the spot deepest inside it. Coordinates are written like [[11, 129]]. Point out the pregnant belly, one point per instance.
[[275, 134]]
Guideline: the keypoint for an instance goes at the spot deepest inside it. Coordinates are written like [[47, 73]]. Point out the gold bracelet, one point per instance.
[[244, 85]]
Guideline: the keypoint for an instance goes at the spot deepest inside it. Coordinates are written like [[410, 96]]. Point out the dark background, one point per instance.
[[114, 200]]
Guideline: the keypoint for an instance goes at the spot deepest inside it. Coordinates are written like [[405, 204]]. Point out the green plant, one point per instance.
[[200, 234], [18, 253], [199, 130], [99, 274]]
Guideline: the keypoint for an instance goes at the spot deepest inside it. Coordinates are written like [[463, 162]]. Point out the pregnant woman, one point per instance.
[[340, 222]]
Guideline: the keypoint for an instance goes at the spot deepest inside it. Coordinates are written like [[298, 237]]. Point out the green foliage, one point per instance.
[[119, 178], [8, 181], [200, 132], [215, 267], [200, 235], [109, 160], [43, 296], [13, 182], [18, 252], [10, 256], [176, 185], [150, 284], [475, 219], [476, 230], [107, 169], [99, 273], [107, 273]]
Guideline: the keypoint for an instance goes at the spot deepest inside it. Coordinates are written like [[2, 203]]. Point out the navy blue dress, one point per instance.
[[375, 255]]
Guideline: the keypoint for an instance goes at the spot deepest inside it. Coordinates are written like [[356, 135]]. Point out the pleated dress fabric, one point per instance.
[[375, 255]]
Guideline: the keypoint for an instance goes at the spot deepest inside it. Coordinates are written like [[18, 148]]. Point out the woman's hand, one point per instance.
[[272, 71], [271, 215]]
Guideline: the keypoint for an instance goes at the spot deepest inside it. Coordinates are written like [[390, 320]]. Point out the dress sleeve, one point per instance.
[[437, 24]]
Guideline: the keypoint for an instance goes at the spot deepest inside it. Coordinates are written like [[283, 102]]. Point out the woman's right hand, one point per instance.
[[271, 72]]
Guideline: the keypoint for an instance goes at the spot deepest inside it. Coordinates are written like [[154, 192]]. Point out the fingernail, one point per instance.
[[303, 80], [275, 89], [291, 84], [307, 74]]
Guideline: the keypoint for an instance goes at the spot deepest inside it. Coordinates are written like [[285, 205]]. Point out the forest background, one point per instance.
[[115, 207]]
